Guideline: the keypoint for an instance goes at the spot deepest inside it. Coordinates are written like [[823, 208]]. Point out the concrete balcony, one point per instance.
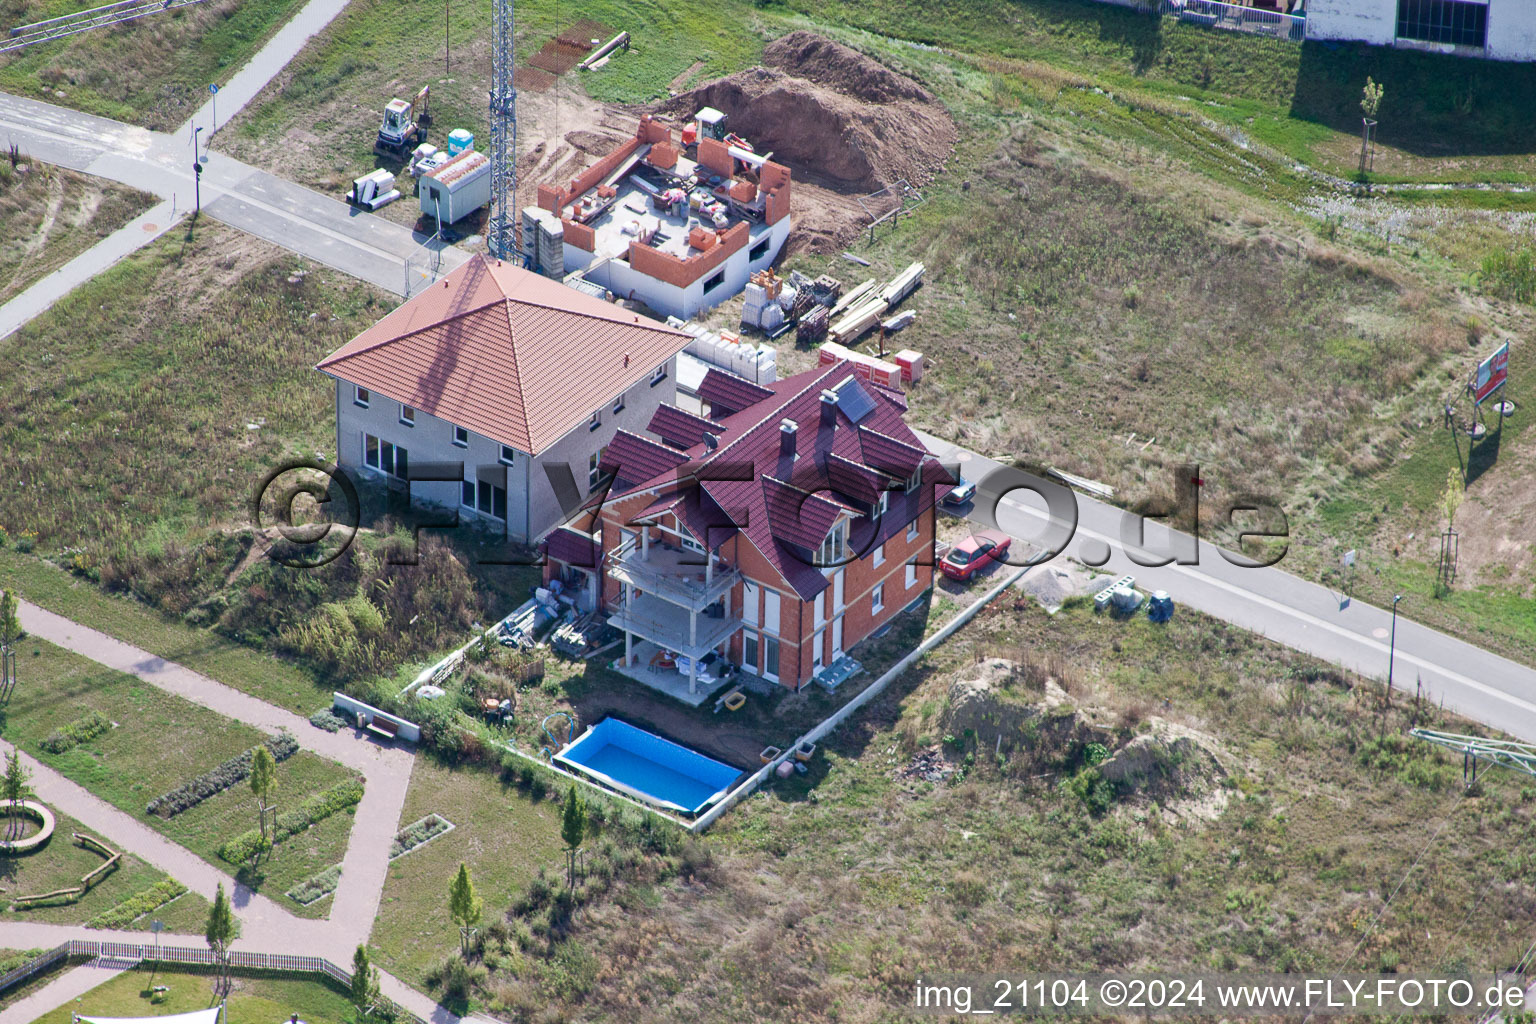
[[678, 577], [667, 625]]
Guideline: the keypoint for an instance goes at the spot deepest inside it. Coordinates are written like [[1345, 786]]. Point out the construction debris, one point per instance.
[[600, 55], [812, 327], [851, 258]]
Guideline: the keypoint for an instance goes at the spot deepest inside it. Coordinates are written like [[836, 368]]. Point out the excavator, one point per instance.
[[405, 125]]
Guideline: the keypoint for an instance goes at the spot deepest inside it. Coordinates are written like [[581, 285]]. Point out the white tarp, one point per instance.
[[210, 1016]]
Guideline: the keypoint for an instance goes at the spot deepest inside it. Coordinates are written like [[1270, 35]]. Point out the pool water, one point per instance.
[[649, 767]]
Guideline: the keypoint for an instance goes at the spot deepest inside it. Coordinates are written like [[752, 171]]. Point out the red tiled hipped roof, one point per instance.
[[496, 349], [683, 429], [730, 392], [634, 459]]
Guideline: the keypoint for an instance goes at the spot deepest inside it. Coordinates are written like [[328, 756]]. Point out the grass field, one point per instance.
[[53, 215], [823, 898], [62, 862], [152, 72], [252, 1000], [159, 742], [501, 833]]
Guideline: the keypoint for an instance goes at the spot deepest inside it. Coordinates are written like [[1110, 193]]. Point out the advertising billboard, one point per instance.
[[1491, 374]]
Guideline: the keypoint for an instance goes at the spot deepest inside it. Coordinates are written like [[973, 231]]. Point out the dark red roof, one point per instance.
[[723, 390], [633, 459], [680, 428], [785, 506], [573, 548]]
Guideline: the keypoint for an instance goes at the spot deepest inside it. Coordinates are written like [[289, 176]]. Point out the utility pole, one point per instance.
[[501, 239], [1392, 648], [445, 38]]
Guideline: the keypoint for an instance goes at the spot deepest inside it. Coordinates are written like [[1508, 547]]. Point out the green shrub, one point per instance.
[[137, 905], [242, 848], [316, 887], [1091, 787], [236, 769], [327, 720], [1510, 274], [81, 730], [418, 832]]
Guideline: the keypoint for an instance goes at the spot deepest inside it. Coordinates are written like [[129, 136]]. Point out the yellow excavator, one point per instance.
[[405, 125]]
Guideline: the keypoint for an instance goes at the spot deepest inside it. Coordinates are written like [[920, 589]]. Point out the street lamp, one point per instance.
[[197, 171], [1392, 648]]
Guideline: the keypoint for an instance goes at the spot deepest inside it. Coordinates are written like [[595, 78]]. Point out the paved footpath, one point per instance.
[[129, 238], [70, 985], [387, 771]]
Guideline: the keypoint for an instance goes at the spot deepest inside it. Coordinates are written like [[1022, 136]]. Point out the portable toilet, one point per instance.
[[457, 188], [459, 140]]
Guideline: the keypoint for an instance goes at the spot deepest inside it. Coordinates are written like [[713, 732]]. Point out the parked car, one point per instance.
[[963, 491], [974, 554]]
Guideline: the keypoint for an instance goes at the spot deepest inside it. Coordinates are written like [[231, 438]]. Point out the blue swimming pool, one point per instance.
[[648, 767]]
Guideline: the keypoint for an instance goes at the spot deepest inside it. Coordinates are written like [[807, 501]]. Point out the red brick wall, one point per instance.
[[716, 156], [580, 235], [773, 179], [683, 272]]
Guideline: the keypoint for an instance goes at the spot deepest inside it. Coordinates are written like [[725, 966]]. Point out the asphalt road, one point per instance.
[[1314, 619], [316, 226]]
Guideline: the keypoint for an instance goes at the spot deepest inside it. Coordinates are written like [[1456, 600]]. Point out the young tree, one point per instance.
[[1370, 102], [573, 829], [10, 635], [263, 778], [365, 982], [464, 907], [222, 929], [14, 786], [1450, 501]]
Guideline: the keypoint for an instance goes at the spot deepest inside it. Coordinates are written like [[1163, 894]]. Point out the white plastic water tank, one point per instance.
[[459, 140]]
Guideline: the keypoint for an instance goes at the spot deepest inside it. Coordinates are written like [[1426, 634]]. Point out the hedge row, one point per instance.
[[236, 769], [243, 847], [137, 905], [416, 833], [316, 887], [81, 730]]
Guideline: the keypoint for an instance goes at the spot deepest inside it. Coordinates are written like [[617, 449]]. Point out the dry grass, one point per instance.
[[52, 215], [824, 899]]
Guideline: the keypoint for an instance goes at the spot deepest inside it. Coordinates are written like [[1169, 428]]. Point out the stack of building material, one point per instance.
[[826, 288], [853, 297], [911, 364], [867, 367], [897, 322], [869, 306], [756, 363], [551, 251], [812, 326], [755, 300]]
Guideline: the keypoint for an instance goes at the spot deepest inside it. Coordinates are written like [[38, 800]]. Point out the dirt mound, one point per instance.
[[1173, 766], [819, 59], [982, 706], [844, 123]]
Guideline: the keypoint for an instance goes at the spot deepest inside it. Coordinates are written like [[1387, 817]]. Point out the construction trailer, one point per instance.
[[456, 189]]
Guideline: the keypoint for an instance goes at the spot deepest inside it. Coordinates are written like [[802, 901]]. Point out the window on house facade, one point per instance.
[[714, 282], [508, 454], [407, 415], [915, 480], [385, 457], [749, 646], [759, 250], [659, 374], [486, 498], [461, 437], [362, 396], [877, 599], [834, 550], [912, 531], [594, 469], [618, 404], [911, 574], [687, 540], [770, 658], [1456, 22], [879, 555], [885, 502], [596, 420]]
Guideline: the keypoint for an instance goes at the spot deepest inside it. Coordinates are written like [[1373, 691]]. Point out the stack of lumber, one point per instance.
[[864, 307]]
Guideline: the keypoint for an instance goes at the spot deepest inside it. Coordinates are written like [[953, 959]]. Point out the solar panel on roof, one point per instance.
[[853, 400]]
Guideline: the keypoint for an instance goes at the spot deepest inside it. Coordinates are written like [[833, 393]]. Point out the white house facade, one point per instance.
[[1499, 29]]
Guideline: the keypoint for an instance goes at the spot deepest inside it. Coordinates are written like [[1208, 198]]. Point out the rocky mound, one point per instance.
[[1051, 729], [832, 114], [1172, 766]]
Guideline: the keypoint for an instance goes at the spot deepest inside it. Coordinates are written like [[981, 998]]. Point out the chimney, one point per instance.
[[828, 408], [787, 432]]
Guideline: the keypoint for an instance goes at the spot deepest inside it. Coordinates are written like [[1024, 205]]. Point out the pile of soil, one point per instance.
[[843, 122], [1172, 766], [984, 705]]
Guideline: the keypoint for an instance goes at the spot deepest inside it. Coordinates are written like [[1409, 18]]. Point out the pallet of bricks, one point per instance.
[[761, 307]]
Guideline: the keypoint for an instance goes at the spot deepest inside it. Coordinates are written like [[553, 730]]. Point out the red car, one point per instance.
[[974, 554]]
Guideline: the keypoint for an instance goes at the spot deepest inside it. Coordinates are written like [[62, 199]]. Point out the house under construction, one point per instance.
[[649, 222]]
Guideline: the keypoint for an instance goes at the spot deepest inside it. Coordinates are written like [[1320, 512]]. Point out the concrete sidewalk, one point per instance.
[[247, 83], [129, 238], [70, 985]]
